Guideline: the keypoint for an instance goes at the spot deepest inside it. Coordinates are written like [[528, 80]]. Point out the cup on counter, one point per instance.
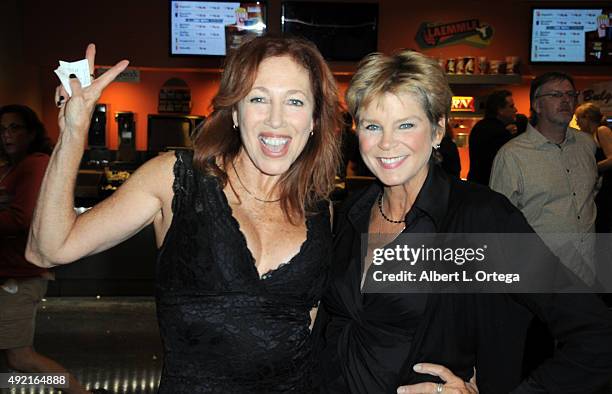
[[470, 64], [451, 65], [603, 23], [512, 64], [497, 67], [483, 65], [460, 67]]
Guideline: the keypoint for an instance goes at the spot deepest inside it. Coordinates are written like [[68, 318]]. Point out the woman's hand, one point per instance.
[[75, 111], [453, 384]]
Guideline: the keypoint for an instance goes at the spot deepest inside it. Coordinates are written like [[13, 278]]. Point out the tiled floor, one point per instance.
[[111, 343]]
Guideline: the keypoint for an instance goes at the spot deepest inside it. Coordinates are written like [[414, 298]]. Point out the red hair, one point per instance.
[[312, 176]]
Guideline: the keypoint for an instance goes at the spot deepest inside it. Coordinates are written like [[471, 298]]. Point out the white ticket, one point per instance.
[[80, 69]]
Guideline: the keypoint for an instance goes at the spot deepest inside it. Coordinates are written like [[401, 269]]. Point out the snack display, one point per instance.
[[497, 67], [450, 65], [481, 65], [460, 66], [512, 65], [470, 64]]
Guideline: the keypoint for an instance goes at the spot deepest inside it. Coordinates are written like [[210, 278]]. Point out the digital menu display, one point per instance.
[[571, 35], [213, 27]]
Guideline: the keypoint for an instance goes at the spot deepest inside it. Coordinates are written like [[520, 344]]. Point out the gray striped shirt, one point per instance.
[[554, 185]]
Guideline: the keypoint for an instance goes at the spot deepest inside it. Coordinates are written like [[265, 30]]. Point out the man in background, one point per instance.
[[490, 134], [549, 173]]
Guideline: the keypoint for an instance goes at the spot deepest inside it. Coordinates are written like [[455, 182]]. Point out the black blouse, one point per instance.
[[368, 343], [224, 328]]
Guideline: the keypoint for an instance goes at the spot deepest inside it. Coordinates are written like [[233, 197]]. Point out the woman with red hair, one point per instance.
[[242, 225]]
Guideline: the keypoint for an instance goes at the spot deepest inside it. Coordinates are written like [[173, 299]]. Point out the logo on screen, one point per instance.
[[470, 32]]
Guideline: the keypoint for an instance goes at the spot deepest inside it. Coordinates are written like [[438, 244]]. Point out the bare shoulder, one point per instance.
[[604, 135], [155, 176], [160, 165], [604, 132]]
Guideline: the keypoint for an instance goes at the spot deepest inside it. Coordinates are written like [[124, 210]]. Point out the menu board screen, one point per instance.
[[213, 27], [571, 35]]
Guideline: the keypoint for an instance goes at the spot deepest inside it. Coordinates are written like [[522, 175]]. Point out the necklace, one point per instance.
[[380, 208], [247, 190]]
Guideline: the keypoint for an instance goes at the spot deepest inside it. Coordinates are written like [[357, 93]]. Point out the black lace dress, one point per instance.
[[224, 328]]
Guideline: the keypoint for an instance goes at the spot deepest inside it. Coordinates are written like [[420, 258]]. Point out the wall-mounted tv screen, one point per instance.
[[213, 27], [577, 35], [341, 31]]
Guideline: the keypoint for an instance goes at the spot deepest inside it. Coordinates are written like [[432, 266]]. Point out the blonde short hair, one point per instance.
[[403, 72]]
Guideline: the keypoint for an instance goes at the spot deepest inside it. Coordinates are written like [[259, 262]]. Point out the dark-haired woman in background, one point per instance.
[[243, 224], [26, 147]]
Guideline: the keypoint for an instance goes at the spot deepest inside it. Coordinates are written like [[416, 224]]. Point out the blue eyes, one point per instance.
[[263, 100], [375, 128]]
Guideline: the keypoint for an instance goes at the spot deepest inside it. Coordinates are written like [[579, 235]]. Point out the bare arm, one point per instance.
[[604, 135], [57, 234]]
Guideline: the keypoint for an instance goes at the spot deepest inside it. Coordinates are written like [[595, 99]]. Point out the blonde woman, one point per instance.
[[430, 343], [590, 120]]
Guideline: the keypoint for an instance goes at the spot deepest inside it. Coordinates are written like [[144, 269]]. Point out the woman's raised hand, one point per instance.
[[76, 110]]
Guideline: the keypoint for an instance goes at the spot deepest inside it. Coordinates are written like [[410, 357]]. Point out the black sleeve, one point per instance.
[[582, 326], [580, 323], [450, 157]]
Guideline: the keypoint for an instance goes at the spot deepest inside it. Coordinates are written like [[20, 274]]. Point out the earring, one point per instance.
[[235, 127], [436, 146], [311, 133]]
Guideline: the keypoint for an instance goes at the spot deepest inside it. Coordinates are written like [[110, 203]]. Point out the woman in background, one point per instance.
[[590, 120], [26, 147]]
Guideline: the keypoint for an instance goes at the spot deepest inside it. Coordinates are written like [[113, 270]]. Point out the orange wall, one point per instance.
[[138, 30]]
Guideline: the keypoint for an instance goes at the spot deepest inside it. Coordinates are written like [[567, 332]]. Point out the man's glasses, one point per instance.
[[572, 94], [12, 128]]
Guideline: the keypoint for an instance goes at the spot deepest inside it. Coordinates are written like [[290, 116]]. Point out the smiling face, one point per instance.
[[15, 137], [276, 116], [396, 138], [556, 111]]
